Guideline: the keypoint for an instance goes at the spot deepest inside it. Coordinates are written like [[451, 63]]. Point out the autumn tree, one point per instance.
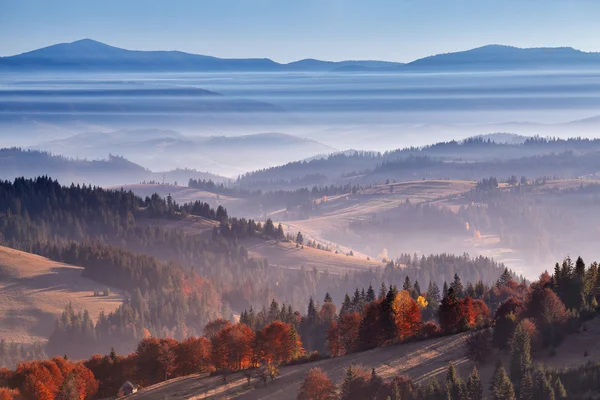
[[407, 315], [277, 343], [232, 348], [192, 355], [316, 386]]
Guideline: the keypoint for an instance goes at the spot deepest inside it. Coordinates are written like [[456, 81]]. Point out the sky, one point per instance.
[[288, 30]]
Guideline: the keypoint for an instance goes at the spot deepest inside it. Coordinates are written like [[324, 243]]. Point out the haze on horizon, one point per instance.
[[289, 30]]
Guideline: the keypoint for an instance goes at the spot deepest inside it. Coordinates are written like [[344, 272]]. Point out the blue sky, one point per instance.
[[286, 30]]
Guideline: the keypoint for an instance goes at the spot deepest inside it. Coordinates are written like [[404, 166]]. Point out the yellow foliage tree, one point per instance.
[[422, 302]]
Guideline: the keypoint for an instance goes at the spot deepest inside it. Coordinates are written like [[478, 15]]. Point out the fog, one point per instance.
[[373, 111]]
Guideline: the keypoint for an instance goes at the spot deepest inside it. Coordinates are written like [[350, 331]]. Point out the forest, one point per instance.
[[516, 317]]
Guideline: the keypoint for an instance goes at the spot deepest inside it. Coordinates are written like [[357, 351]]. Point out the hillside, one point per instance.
[[420, 361], [35, 290], [166, 149], [16, 162]]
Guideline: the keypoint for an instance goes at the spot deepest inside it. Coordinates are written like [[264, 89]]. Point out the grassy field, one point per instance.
[[34, 291], [288, 255]]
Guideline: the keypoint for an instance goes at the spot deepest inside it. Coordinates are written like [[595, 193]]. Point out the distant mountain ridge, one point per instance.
[[90, 55]]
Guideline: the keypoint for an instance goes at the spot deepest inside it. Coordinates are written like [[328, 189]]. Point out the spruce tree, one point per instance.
[[370, 294], [454, 384], [346, 386], [501, 387], [474, 386], [526, 387], [559, 389], [520, 359]]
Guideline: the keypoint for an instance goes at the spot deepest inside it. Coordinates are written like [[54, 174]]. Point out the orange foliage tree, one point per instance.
[[192, 355], [232, 347], [155, 359], [407, 315], [43, 380], [277, 343]]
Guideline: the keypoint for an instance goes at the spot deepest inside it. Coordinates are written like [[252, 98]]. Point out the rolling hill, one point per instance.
[[35, 290], [115, 170], [167, 149]]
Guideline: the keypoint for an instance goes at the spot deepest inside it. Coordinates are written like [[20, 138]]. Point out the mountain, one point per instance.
[[15, 162], [508, 57], [90, 55], [166, 149]]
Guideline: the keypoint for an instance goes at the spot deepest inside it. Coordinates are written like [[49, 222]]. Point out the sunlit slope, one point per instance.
[[35, 290]]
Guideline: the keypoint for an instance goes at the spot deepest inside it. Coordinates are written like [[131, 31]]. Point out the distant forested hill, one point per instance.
[[17, 162], [471, 159]]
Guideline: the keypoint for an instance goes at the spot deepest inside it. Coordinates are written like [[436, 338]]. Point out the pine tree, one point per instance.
[[346, 305], [356, 301], [417, 289], [407, 284], [526, 391], [501, 387], [504, 278], [382, 291], [474, 386], [543, 389], [445, 290], [454, 384], [520, 359], [370, 294], [312, 310], [388, 316], [328, 298], [559, 389], [457, 285], [346, 386]]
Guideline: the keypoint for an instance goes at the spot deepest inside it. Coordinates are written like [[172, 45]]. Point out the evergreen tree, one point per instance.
[[445, 289], [370, 294], [504, 278], [328, 298], [526, 391], [474, 386], [346, 305], [454, 383], [457, 285], [407, 284], [501, 387], [382, 291], [416, 289], [559, 389], [346, 386], [520, 359], [388, 316]]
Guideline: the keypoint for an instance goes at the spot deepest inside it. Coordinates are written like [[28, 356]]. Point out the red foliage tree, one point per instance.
[[333, 340], [316, 386], [214, 327], [155, 360], [277, 343], [232, 348], [192, 355]]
